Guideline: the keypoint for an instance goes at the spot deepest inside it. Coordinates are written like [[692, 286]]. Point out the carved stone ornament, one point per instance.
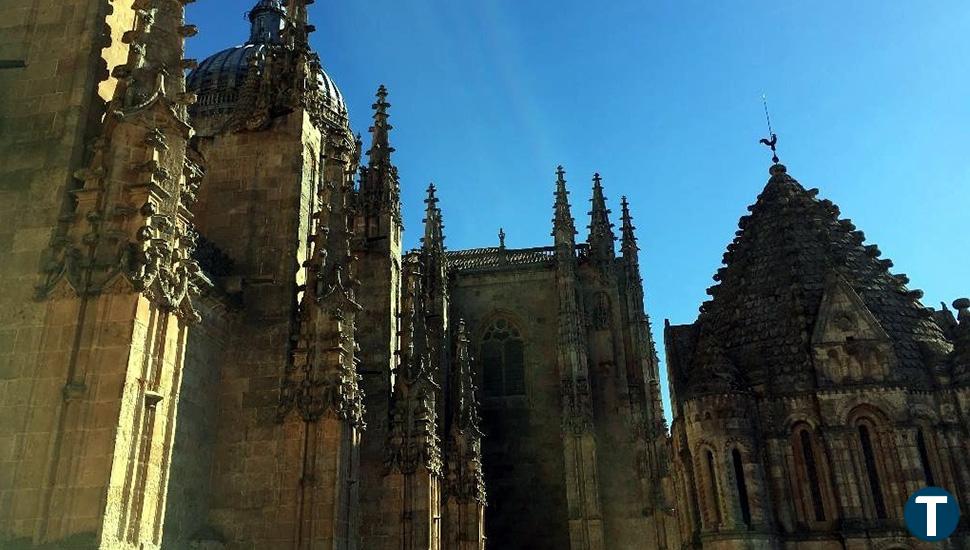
[[577, 407]]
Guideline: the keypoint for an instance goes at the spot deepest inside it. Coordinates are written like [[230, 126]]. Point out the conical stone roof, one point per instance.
[[765, 305]]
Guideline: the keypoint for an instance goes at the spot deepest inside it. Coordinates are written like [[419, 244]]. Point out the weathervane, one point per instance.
[[772, 140]]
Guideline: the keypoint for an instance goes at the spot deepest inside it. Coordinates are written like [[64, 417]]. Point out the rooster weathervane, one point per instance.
[[772, 140]]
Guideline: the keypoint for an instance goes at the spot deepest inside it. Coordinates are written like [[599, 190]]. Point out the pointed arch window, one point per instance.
[[503, 360]]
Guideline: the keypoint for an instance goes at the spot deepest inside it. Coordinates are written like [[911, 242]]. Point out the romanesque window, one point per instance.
[[742, 487], [924, 457], [712, 500], [601, 311], [810, 475], [872, 470], [503, 360]]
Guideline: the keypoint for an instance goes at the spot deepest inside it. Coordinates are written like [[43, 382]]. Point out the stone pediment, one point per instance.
[[843, 316], [849, 343]]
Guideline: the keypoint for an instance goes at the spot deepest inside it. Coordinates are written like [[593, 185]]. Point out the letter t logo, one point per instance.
[[931, 502]]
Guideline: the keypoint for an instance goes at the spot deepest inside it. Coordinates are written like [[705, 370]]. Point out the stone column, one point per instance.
[[780, 462]]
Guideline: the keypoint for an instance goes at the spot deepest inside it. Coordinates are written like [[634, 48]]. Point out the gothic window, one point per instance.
[[810, 474], [601, 311], [503, 360], [924, 457], [742, 487], [872, 470]]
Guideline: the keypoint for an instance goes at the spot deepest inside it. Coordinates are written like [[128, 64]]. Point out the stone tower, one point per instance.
[[267, 451], [96, 368], [377, 245], [814, 393]]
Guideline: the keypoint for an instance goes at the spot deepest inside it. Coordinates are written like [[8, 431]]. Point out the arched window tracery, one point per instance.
[[503, 359]]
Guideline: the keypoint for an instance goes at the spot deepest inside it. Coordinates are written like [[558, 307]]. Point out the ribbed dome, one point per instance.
[[218, 80]]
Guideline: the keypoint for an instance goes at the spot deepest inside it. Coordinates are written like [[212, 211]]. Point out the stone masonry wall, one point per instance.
[[195, 434], [522, 446], [254, 205]]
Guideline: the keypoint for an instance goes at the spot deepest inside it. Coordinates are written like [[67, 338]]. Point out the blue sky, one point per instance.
[[871, 101]]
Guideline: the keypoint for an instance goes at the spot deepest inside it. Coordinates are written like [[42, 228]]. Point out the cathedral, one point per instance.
[[212, 337]]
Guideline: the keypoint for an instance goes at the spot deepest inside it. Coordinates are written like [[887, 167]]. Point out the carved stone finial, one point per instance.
[[380, 151], [628, 242], [434, 229], [601, 235], [563, 225]]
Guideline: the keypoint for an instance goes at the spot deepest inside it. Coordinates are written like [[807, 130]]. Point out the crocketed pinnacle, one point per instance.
[[628, 242], [380, 150], [414, 342], [379, 186], [601, 235], [464, 407], [563, 226], [434, 236]]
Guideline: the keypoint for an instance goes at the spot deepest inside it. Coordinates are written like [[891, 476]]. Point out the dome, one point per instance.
[[218, 80]]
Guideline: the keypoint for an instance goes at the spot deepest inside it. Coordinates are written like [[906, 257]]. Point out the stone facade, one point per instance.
[[211, 337]]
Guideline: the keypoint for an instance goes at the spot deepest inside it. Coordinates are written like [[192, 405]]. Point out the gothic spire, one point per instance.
[[379, 185], [380, 150], [601, 235], [563, 226], [628, 243], [434, 236]]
